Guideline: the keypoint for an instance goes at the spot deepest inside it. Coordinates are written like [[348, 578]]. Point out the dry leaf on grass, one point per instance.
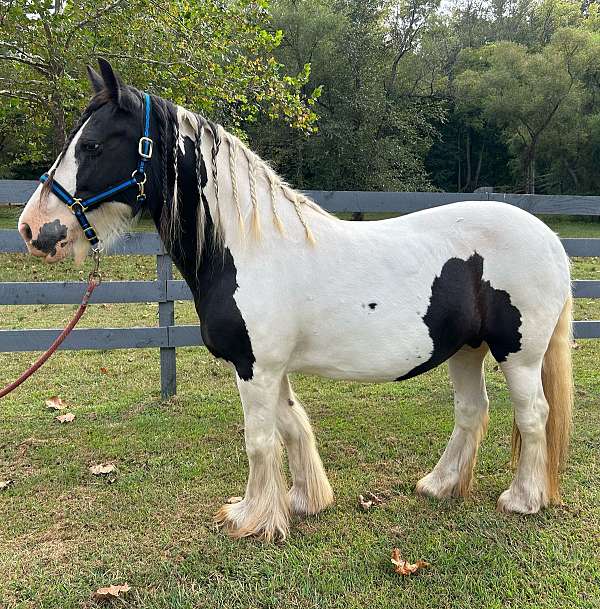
[[403, 567], [104, 370], [4, 484], [55, 403], [368, 501], [111, 592], [234, 500], [102, 469], [65, 418]]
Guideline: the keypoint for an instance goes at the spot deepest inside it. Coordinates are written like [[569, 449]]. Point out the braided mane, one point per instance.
[[225, 143]]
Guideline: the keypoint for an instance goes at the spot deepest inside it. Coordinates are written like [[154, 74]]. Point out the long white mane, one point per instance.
[[224, 153]]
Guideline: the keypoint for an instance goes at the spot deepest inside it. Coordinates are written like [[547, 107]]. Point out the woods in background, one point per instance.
[[342, 94]]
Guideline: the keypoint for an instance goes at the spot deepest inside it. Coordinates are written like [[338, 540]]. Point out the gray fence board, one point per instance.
[[585, 288], [165, 337], [408, 202], [71, 292], [149, 244], [581, 247], [142, 243], [16, 191], [586, 329], [178, 290], [87, 338], [185, 336]]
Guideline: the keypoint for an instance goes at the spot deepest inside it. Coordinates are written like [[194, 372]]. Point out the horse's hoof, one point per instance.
[[432, 485], [238, 521], [520, 502], [303, 505]]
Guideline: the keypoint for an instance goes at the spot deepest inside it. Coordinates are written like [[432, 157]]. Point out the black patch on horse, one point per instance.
[[464, 310], [214, 282], [50, 234]]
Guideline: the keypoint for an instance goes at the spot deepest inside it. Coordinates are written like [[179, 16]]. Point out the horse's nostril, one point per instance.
[[25, 231]]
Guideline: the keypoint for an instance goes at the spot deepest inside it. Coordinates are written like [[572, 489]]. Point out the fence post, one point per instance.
[[166, 317]]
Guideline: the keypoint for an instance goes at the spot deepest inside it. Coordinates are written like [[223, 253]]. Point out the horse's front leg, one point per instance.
[[265, 510]]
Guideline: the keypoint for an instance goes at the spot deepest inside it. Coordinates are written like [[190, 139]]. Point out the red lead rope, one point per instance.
[[92, 285]]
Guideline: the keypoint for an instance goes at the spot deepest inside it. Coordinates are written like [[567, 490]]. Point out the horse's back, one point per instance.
[[394, 298]]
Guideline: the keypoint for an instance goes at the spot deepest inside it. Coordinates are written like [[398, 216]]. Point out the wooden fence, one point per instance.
[[166, 291]]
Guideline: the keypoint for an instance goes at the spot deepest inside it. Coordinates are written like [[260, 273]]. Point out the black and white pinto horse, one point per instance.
[[281, 286]]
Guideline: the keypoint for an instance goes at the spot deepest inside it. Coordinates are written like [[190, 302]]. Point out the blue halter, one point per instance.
[[138, 178]]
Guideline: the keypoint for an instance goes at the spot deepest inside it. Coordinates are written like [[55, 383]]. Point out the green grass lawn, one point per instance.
[[64, 532]]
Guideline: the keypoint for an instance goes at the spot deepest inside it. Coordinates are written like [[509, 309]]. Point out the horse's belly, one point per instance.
[[370, 350]]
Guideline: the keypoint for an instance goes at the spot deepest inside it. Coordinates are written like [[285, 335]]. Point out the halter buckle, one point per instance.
[[145, 155]]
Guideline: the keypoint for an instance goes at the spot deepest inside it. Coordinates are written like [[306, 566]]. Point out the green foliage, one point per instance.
[[214, 57], [372, 135]]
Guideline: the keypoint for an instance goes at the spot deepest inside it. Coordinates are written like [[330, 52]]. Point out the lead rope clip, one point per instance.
[[96, 275]]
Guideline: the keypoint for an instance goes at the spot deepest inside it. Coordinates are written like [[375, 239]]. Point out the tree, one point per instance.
[[372, 132], [214, 56], [522, 92]]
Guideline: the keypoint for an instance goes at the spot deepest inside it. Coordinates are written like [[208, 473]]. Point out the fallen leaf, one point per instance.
[[104, 370], [366, 503], [55, 403], [403, 567], [111, 592], [102, 469], [234, 500], [4, 484], [66, 418]]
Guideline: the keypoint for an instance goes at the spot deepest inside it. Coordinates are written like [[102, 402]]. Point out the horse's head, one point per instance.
[[101, 152]]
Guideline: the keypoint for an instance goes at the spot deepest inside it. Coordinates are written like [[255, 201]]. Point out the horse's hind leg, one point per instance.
[[528, 491], [452, 475], [311, 491], [264, 510]]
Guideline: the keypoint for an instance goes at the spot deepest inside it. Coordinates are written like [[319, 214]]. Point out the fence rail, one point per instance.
[[166, 291]]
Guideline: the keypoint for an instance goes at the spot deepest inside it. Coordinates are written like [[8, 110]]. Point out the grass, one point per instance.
[[64, 533]]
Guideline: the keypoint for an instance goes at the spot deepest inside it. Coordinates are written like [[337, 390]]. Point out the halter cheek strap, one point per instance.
[[79, 207]]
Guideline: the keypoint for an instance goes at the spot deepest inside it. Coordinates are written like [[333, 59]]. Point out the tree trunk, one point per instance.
[[529, 168], [59, 123], [459, 155], [468, 153], [478, 170]]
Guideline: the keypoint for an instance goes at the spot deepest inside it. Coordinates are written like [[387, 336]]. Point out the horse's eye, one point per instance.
[[91, 146]]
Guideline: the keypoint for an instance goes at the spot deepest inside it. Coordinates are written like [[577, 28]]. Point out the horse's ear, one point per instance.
[[112, 82], [95, 79]]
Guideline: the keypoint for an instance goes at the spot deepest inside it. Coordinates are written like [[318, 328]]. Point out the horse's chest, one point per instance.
[[223, 328]]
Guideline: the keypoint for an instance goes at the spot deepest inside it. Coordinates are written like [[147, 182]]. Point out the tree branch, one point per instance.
[[37, 66], [97, 15], [22, 95]]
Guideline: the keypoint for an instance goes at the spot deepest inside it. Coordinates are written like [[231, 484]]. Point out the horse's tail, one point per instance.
[[557, 381]]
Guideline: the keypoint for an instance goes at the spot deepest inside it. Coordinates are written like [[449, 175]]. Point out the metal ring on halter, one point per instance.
[[137, 172]]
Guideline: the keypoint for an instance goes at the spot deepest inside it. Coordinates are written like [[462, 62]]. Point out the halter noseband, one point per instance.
[[138, 177]]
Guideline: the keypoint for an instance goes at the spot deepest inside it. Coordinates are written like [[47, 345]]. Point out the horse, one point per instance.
[[281, 286]]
